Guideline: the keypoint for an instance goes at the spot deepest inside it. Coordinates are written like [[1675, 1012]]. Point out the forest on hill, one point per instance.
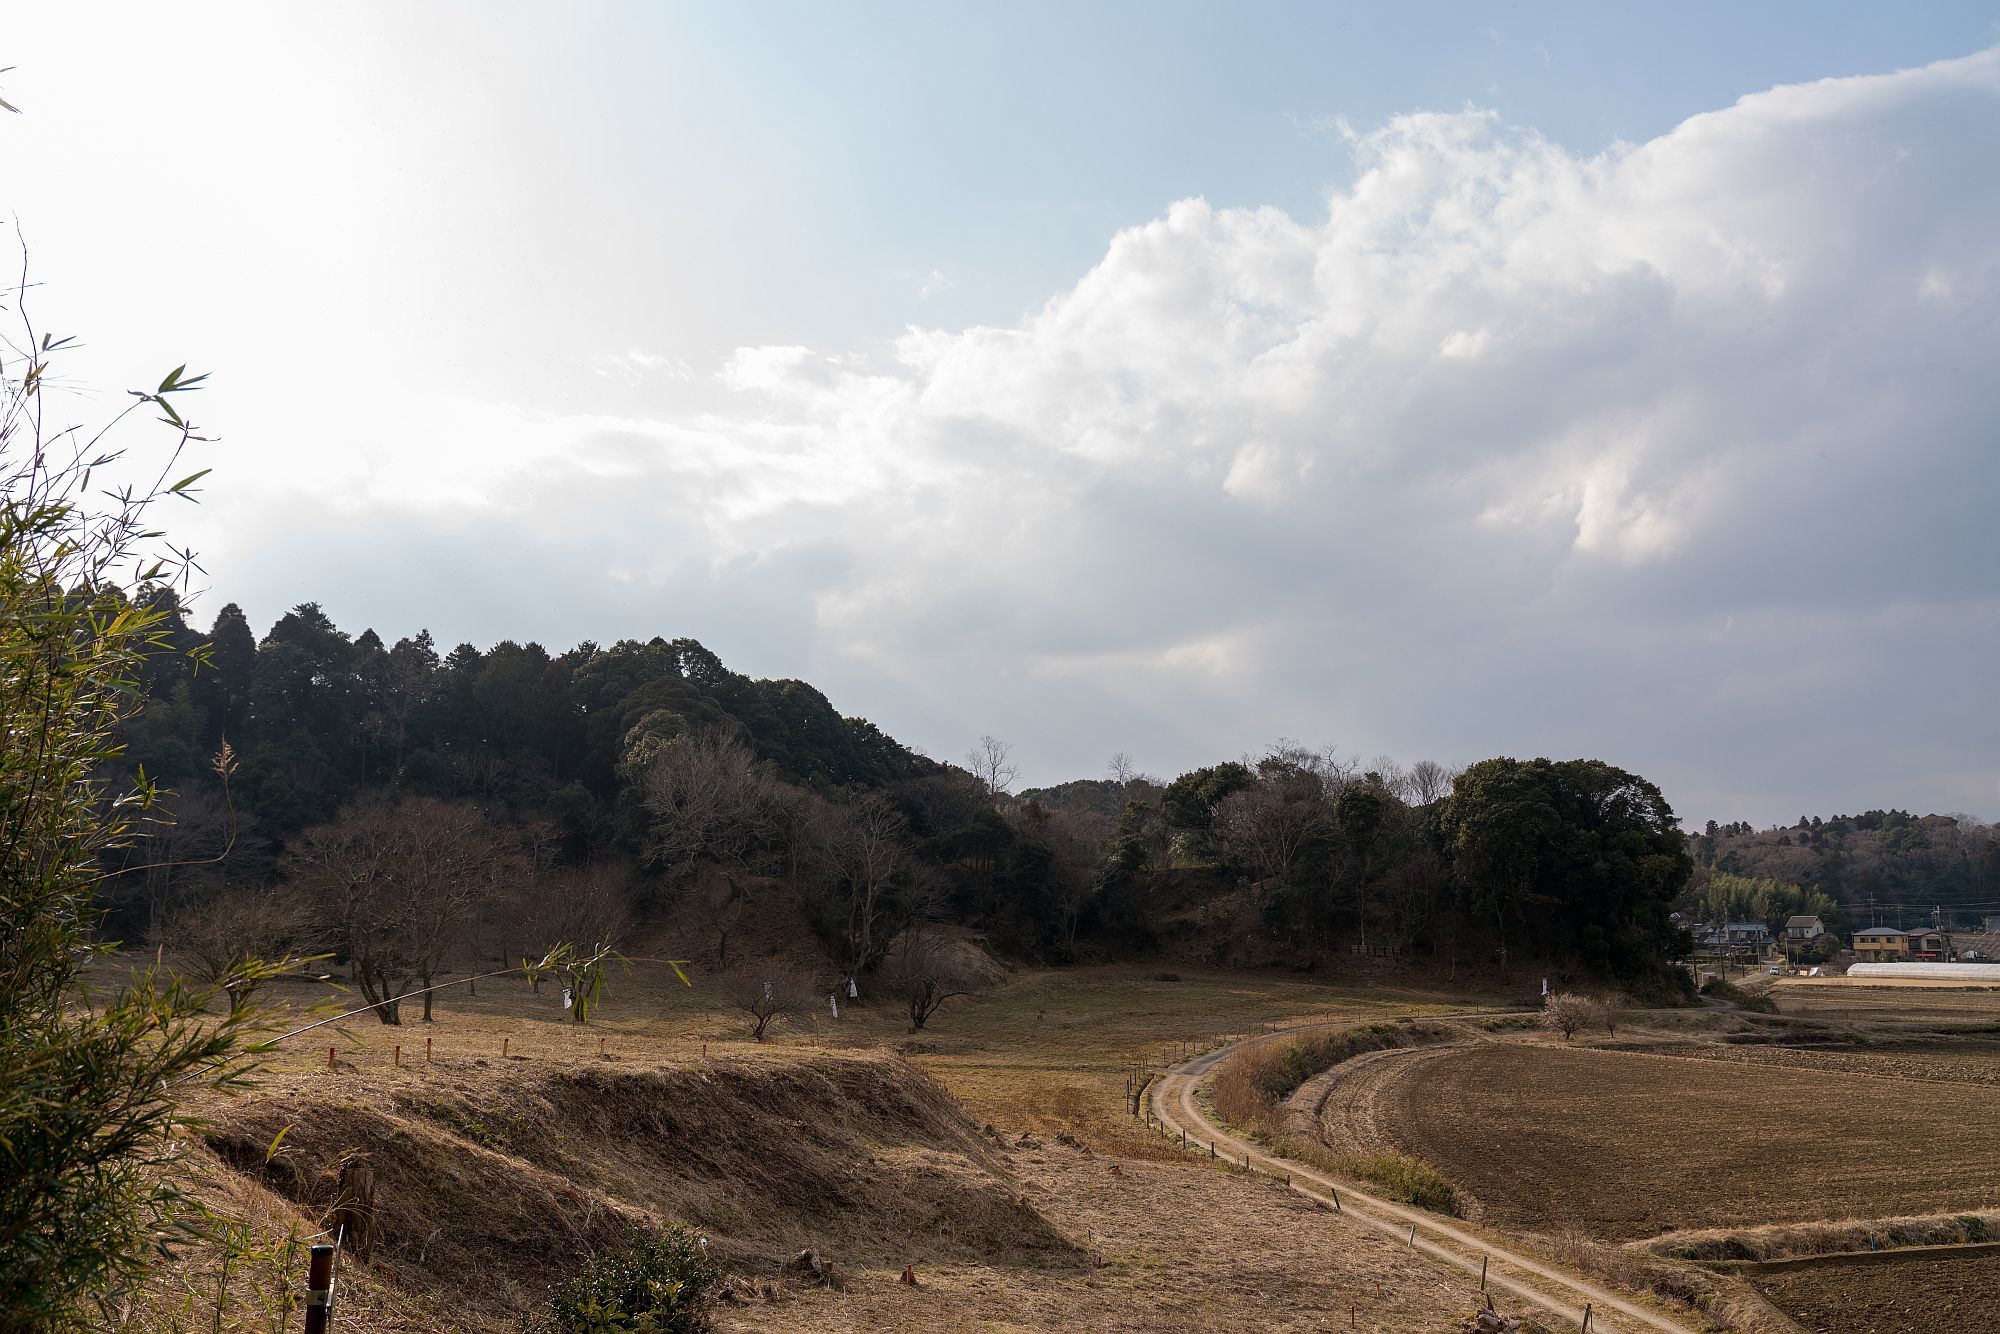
[[1881, 867], [413, 811]]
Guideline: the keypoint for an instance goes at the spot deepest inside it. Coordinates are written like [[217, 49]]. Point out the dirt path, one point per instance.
[[1173, 1101]]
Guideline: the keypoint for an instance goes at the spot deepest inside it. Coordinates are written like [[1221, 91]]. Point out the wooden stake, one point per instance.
[[1336, 1198], [1413, 1234], [319, 1289], [1482, 1271], [329, 1058], [427, 1051], [399, 1055], [1586, 1318], [503, 1047], [600, 1046]]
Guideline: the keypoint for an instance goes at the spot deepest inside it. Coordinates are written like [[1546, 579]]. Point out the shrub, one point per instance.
[[1567, 1011], [1402, 1177], [656, 1284], [1729, 991]]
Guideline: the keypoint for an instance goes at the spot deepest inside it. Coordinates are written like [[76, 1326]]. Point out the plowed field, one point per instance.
[[1623, 1145], [1890, 1297]]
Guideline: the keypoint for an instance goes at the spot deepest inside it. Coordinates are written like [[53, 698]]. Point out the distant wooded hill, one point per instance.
[[640, 777], [1887, 866]]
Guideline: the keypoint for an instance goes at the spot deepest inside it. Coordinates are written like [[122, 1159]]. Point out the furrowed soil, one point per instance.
[[1890, 1296], [1624, 1145]]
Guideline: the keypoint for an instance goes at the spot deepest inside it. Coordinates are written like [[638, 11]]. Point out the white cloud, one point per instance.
[[1478, 460], [639, 364]]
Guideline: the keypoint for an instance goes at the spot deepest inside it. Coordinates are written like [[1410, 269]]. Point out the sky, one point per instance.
[[1430, 380]]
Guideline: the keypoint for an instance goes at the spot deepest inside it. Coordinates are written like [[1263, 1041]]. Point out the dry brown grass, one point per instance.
[[550, 1149], [1721, 1301], [1783, 1241], [1250, 1088]]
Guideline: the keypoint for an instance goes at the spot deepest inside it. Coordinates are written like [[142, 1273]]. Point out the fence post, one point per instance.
[[1586, 1318], [354, 1209], [1482, 1271], [319, 1289], [503, 1047], [427, 1051]]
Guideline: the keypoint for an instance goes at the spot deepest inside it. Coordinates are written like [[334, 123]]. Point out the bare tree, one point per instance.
[[1274, 822], [921, 972], [1429, 782], [1567, 1011], [1122, 769], [770, 995], [990, 765], [710, 801], [219, 931], [870, 854], [1080, 841], [394, 888], [585, 906]]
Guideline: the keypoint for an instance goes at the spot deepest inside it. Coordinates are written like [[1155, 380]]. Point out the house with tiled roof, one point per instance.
[[1881, 944]]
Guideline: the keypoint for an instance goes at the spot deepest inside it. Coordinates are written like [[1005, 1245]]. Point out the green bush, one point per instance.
[[1402, 1177], [655, 1284]]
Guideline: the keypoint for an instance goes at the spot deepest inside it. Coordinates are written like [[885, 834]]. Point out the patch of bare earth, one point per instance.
[[1902, 1295], [1184, 1246], [1622, 1145]]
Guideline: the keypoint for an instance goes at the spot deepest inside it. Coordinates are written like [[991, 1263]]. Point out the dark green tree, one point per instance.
[[1577, 859]]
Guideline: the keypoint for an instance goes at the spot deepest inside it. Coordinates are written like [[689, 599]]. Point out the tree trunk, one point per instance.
[[425, 979]]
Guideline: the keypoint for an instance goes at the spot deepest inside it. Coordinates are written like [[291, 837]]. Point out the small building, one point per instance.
[[1881, 944], [1931, 946], [1799, 929], [1736, 936], [1991, 924]]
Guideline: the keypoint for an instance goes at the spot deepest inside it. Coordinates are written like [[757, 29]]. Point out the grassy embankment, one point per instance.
[[1044, 1053]]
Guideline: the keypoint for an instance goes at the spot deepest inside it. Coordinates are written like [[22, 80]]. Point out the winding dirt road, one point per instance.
[[1173, 1102]]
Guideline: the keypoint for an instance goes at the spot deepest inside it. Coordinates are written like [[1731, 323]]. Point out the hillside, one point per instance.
[[1880, 866]]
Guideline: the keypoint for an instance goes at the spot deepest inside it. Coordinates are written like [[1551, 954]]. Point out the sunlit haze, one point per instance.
[[1443, 381]]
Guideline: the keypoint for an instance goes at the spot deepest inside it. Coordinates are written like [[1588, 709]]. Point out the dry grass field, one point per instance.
[[659, 1107]]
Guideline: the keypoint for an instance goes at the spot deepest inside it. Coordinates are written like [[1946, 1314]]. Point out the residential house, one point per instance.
[[1801, 929], [1736, 936], [1881, 944], [1926, 944]]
